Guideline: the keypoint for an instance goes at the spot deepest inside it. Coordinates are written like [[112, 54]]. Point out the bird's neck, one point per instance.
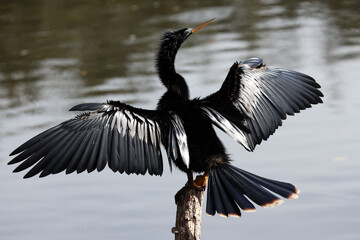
[[165, 64]]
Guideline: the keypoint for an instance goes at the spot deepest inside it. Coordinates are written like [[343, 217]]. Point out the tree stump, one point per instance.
[[188, 215]]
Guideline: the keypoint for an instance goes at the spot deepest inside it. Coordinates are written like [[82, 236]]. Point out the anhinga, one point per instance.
[[250, 105]]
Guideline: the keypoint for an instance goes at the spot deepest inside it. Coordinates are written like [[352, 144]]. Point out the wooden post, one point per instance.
[[188, 215]]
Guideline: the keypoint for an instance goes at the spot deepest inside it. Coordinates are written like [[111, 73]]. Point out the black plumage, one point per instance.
[[250, 105]]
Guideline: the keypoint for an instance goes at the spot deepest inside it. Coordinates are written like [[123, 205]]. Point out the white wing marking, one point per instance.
[[181, 139], [228, 127]]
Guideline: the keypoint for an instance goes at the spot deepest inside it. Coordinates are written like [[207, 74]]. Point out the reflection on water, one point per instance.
[[55, 54]]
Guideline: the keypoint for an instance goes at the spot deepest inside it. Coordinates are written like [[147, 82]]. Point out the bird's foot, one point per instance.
[[199, 184], [201, 181]]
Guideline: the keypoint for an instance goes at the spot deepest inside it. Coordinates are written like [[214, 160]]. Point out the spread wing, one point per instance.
[[125, 138], [254, 99]]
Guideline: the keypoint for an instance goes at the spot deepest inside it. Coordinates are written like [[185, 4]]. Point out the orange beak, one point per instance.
[[201, 25]]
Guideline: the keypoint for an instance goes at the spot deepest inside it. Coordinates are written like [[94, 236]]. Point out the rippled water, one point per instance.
[[56, 54]]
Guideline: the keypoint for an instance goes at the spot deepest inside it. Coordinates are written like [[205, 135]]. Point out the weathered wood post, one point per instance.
[[188, 215]]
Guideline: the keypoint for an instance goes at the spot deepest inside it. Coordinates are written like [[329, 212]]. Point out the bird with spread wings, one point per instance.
[[250, 105]]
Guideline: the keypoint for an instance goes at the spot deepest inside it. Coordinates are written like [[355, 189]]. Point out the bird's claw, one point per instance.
[[200, 181]]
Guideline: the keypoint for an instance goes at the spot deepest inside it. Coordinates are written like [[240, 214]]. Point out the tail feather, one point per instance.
[[215, 198], [252, 189], [210, 202], [230, 188], [238, 196], [286, 190], [228, 202]]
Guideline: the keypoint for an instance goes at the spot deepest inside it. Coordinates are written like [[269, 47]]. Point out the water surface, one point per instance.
[[56, 54]]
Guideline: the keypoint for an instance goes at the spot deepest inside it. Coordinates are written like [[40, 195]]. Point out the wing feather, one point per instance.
[[179, 140], [125, 138], [71, 149], [262, 96]]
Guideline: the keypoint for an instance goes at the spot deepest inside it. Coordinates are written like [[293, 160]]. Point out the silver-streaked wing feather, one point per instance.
[[125, 138], [256, 99], [178, 140], [227, 126]]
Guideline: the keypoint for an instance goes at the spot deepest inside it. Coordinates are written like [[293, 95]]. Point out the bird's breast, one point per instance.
[[203, 143]]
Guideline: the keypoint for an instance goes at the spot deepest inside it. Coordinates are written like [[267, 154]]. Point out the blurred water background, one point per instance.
[[56, 54]]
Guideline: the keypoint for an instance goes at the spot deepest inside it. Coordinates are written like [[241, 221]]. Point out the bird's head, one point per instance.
[[172, 40], [165, 58]]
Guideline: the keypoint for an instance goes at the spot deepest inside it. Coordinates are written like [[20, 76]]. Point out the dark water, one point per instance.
[[56, 54]]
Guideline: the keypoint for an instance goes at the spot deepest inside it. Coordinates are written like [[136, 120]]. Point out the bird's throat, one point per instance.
[[165, 65]]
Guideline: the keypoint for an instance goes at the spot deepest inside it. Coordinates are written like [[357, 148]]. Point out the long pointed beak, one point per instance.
[[201, 25]]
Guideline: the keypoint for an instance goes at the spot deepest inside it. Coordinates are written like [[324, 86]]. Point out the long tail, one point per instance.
[[228, 186]]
